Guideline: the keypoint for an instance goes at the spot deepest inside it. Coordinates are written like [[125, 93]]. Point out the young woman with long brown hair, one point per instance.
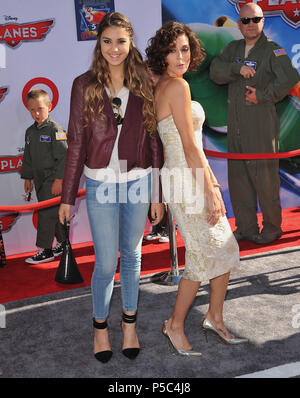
[[112, 138]]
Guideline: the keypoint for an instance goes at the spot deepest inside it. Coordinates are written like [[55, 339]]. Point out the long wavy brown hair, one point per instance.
[[136, 76], [160, 46]]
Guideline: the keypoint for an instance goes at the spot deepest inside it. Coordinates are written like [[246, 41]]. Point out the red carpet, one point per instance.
[[20, 280]]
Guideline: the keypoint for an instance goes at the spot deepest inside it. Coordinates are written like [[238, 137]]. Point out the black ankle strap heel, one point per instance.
[[102, 356], [129, 318], [130, 353], [99, 325]]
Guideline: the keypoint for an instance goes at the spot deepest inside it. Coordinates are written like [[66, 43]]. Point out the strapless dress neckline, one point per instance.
[[171, 115]]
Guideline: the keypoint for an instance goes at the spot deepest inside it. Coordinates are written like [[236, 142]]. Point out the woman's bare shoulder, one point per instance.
[[176, 88], [177, 84]]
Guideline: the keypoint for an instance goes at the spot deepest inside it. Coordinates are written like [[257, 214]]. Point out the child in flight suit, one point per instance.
[[43, 162]]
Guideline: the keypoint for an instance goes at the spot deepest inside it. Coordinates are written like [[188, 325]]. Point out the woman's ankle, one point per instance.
[[215, 318], [175, 325]]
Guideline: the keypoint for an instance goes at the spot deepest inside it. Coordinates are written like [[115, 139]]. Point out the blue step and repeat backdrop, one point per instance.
[[215, 23]]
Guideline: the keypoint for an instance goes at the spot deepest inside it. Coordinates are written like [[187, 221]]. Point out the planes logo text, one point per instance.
[[3, 92], [9, 164], [7, 221], [15, 34], [289, 10]]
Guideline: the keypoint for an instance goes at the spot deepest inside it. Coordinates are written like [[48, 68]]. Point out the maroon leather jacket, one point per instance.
[[93, 145]]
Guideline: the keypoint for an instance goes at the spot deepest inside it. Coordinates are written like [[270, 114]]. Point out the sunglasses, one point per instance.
[[116, 103], [246, 21]]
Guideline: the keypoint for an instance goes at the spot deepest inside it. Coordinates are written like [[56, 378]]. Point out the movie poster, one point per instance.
[[88, 16], [216, 26]]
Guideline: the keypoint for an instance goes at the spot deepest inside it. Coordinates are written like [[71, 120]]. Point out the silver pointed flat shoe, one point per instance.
[[207, 326], [182, 353]]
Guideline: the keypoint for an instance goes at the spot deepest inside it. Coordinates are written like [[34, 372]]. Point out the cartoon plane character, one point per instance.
[[93, 15]]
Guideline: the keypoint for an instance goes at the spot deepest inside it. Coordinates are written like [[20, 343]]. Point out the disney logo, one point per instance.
[[9, 18]]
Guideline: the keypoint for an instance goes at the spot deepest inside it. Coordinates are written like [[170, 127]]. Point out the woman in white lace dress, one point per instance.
[[189, 186]]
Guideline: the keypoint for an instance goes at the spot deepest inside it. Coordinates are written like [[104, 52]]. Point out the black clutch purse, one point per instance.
[[68, 271]]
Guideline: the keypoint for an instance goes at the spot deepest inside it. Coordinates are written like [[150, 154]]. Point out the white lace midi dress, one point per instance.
[[210, 250]]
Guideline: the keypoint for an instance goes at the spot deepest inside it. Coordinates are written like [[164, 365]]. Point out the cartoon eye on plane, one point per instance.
[[93, 15], [3, 92]]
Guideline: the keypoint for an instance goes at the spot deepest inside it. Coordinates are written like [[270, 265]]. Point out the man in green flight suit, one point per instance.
[[258, 73], [44, 162]]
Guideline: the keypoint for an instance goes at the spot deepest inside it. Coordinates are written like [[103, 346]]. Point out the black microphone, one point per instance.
[[117, 101]]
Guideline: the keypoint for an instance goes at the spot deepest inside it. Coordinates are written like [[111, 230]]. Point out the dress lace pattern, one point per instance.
[[210, 250]]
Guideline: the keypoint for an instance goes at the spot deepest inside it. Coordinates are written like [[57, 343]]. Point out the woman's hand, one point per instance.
[[157, 212], [56, 188], [216, 207], [64, 213]]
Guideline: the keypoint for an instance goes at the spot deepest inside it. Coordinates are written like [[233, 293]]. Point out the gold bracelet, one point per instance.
[[216, 185]]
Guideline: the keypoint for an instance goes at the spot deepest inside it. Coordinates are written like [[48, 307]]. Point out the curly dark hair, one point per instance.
[[160, 46]]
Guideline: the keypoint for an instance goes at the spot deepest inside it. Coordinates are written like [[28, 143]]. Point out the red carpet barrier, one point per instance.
[[225, 155], [36, 206]]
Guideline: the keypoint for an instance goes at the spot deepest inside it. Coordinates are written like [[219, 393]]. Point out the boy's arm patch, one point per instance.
[[60, 135]]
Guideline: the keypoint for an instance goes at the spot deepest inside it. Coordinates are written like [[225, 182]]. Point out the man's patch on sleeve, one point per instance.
[[280, 51], [60, 135]]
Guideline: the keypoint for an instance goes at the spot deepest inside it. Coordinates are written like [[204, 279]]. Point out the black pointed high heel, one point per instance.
[[102, 356], [130, 353]]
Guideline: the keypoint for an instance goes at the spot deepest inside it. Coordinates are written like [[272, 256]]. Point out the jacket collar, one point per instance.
[[261, 41], [48, 120]]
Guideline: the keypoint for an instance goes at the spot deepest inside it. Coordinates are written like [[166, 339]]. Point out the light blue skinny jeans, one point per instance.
[[117, 214]]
